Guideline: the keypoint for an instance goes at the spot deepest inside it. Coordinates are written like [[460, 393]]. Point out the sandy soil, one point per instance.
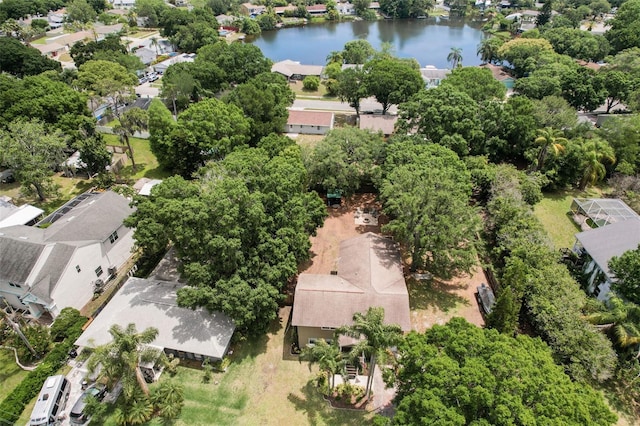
[[432, 302]]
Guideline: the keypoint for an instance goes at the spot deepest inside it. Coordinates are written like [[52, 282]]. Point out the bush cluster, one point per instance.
[[547, 298], [13, 405]]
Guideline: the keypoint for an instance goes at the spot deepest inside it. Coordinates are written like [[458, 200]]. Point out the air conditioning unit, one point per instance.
[[112, 270], [98, 286]]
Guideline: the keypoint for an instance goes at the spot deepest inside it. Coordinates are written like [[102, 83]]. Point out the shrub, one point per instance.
[[69, 321], [311, 83], [13, 405], [349, 391]]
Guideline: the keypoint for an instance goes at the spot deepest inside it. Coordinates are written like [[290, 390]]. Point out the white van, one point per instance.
[[51, 401]]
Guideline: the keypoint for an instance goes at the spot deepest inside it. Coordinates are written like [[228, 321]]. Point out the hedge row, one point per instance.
[[13, 405]]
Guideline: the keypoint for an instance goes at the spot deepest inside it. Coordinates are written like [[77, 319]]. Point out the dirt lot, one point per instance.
[[432, 302]]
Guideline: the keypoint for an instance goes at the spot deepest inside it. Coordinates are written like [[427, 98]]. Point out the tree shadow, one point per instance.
[[318, 410], [435, 294]]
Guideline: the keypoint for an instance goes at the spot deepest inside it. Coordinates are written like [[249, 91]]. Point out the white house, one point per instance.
[[58, 264], [309, 122], [123, 4], [433, 76], [294, 70]]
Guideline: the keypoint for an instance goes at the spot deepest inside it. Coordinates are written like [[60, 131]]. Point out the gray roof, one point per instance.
[[148, 303], [13, 215], [369, 274], [18, 257], [50, 273], [612, 240], [429, 73], [92, 218], [290, 68]]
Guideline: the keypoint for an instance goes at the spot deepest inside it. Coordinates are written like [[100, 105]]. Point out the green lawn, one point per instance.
[[10, 374], [553, 212], [146, 163], [260, 387], [296, 87]]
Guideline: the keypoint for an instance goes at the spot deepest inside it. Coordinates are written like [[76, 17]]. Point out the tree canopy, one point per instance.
[[21, 60], [392, 81], [426, 192], [459, 374], [626, 269], [476, 82], [263, 217]]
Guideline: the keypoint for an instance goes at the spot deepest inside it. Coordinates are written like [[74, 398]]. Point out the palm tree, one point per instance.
[[488, 49], [334, 56], [455, 57], [131, 121], [168, 399], [597, 153], [154, 43], [622, 320], [120, 359], [328, 357], [375, 336], [549, 139]]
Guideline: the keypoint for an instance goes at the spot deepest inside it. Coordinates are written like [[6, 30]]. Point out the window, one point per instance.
[[78, 269], [14, 285], [312, 341], [98, 271], [113, 237], [327, 328]]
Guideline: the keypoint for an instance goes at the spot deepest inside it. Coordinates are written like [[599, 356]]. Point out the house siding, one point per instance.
[[306, 333], [119, 252], [75, 288], [307, 130], [12, 294]]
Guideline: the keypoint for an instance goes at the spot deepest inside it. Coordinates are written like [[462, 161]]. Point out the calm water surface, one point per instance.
[[427, 40]]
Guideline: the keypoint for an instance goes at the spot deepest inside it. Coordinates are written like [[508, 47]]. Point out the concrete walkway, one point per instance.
[[382, 402]]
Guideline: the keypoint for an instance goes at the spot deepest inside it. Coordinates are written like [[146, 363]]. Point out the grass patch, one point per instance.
[[259, 388], [146, 163], [308, 141], [10, 374], [41, 40], [553, 212], [65, 57], [297, 88]]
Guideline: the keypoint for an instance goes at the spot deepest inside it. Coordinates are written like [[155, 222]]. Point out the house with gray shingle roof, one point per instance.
[[369, 274], [59, 263]]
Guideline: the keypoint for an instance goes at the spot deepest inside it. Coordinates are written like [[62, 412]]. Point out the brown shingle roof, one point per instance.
[[378, 123], [310, 118], [369, 274]]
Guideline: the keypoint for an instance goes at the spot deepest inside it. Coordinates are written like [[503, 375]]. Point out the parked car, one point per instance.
[[143, 80], [486, 298], [77, 415], [153, 76], [6, 176]]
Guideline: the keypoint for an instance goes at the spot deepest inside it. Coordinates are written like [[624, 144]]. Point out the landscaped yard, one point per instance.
[[553, 212], [146, 162], [319, 94], [259, 388], [10, 374]]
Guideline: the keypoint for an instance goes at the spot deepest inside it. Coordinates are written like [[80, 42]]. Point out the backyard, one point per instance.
[[10, 374], [553, 213], [146, 163]]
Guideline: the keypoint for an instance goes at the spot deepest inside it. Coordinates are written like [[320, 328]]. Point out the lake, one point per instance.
[[427, 40]]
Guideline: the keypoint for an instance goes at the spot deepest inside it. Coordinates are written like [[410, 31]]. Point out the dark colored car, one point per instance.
[[77, 415], [6, 176], [486, 299]]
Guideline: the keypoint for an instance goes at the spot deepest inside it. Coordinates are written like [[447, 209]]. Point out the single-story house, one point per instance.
[[50, 50], [56, 18], [374, 5], [225, 19], [378, 123], [599, 246], [58, 263], [317, 9], [500, 74], [433, 76], [294, 70], [597, 212], [103, 30], [186, 333], [369, 274], [123, 4], [346, 8], [252, 9], [281, 10], [146, 55], [309, 122], [11, 215], [161, 67]]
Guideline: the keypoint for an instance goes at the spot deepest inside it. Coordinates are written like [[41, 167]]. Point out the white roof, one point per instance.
[[152, 303], [18, 215], [146, 188]]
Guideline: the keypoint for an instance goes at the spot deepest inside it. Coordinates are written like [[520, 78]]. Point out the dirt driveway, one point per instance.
[[432, 302]]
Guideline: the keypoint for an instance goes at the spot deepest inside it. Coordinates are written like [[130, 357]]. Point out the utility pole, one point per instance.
[[16, 327]]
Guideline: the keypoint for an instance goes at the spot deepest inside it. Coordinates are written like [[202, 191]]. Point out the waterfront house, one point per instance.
[[295, 70], [317, 9], [252, 9], [433, 76]]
